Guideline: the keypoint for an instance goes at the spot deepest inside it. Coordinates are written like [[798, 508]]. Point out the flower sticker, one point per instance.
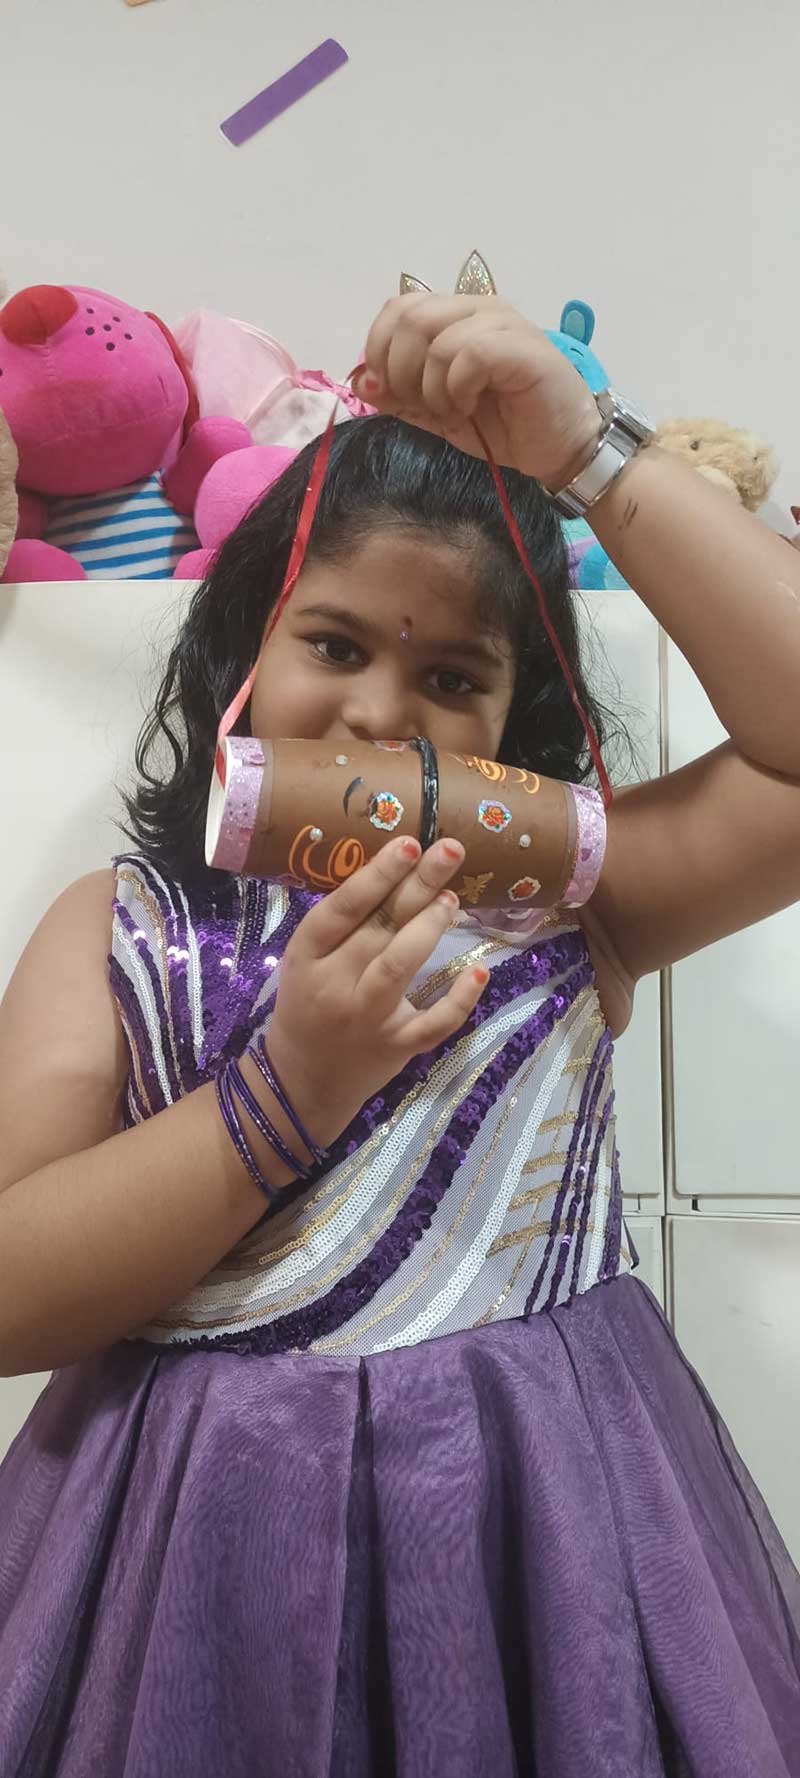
[[494, 816], [386, 811], [524, 889]]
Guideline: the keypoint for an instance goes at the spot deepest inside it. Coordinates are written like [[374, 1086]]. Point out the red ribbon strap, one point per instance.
[[294, 565], [516, 538]]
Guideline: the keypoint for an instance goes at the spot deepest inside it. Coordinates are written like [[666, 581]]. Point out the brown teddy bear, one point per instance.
[[8, 486], [730, 456], [8, 492]]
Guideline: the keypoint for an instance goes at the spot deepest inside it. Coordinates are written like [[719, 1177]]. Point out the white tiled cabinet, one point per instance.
[[736, 1028], [733, 1294], [77, 663], [733, 1197]]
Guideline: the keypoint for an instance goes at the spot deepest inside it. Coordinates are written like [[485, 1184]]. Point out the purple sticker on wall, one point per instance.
[[286, 91]]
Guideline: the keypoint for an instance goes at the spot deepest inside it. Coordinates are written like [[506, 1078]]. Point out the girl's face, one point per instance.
[[384, 646]]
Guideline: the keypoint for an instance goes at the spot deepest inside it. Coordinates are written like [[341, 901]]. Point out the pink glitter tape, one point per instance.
[[244, 759], [591, 845]]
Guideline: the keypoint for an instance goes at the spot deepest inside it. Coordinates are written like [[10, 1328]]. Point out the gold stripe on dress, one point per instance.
[[535, 1195], [553, 1157], [449, 971], [149, 901], [136, 1060]]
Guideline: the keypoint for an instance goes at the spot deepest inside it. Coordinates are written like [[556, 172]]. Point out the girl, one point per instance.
[[403, 1473]]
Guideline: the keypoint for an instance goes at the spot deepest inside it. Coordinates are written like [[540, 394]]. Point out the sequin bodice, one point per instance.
[[483, 1182]]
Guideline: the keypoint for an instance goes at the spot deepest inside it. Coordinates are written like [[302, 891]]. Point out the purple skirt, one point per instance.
[[528, 1549]]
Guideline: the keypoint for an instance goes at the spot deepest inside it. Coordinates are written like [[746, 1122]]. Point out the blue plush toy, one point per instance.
[[589, 566]]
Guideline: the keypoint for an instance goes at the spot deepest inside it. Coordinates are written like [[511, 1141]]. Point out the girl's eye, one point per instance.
[[338, 651], [450, 684]]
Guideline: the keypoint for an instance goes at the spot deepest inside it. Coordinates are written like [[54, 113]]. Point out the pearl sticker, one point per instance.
[[524, 889], [495, 817], [342, 759], [386, 811], [524, 839], [316, 833]]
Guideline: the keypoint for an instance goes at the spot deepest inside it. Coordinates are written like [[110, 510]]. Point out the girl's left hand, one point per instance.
[[440, 361]]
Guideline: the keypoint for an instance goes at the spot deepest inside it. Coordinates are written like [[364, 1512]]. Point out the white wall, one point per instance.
[[641, 156]]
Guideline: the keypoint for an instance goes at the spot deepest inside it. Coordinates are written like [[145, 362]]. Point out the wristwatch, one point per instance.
[[626, 430]]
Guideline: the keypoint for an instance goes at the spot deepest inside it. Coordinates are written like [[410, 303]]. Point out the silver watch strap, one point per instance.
[[607, 462], [626, 431]]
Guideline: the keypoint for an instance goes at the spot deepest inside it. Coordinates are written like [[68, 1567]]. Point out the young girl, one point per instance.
[[379, 1461]]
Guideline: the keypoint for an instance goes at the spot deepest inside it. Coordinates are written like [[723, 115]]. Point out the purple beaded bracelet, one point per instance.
[[260, 1056], [230, 1084], [262, 1122], [230, 1119]]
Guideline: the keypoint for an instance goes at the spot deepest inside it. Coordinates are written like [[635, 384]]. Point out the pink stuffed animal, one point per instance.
[[99, 400], [232, 486]]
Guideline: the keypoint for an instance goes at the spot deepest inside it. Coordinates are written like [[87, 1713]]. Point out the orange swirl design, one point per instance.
[[530, 781], [488, 768], [344, 858], [497, 773]]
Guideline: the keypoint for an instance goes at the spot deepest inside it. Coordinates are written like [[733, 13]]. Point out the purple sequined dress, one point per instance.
[[417, 1483]]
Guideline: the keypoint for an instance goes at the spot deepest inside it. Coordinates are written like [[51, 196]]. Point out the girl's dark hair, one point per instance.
[[381, 473]]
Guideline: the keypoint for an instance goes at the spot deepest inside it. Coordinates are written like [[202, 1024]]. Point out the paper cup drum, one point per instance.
[[312, 812]]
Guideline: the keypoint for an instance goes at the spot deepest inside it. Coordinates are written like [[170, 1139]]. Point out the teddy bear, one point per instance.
[[732, 457], [8, 492], [111, 447]]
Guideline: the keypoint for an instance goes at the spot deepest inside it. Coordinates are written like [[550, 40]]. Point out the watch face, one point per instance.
[[617, 407]]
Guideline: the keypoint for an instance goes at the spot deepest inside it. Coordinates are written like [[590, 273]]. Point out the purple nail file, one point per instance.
[[284, 92]]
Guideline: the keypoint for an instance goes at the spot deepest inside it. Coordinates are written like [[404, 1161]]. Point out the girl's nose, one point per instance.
[[378, 711]]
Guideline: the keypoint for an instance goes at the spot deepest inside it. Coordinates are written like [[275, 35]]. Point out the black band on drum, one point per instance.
[[429, 817]]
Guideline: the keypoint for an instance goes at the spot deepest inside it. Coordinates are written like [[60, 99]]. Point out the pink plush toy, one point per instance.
[[232, 486], [99, 402]]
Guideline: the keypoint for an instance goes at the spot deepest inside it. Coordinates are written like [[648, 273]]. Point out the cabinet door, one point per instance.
[[735, 1308], [78, 666], [17, 1396], [734, 1026], [620, 640]]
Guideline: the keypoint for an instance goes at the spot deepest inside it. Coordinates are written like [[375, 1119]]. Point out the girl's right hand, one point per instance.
[[342, 1026]]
